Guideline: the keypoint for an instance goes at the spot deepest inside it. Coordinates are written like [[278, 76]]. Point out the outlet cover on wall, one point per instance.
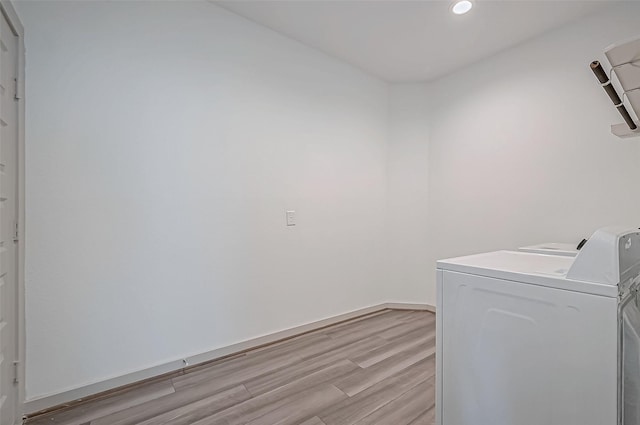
[[291, 218]]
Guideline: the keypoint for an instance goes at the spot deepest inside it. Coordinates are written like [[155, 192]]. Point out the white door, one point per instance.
[[8, 222]]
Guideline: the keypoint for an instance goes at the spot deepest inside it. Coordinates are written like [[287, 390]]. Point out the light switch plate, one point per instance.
[[291, 218]]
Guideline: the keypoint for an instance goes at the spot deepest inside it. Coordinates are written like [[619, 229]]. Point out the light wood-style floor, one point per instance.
[[379, 369]]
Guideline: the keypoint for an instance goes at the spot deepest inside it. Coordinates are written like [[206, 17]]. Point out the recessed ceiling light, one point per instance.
[[461, 7]]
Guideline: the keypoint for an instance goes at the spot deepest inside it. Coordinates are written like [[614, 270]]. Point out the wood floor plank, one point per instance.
[[379, 354], [290, 344], [140, 413], [427, 418], [419, 315], [425, 318], [192, 412], [404, 409], [250, 364], [313, 421], [404, 329], [300, 407], [101, 407], [264, 403], [335, 344], [262, 354], [309, 379], [251, 369], [296, 371], [363, 404], [343, 344], [365, 329], [360, 380]]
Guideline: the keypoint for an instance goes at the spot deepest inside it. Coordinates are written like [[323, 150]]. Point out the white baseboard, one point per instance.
[[36, 405], [410, 306]]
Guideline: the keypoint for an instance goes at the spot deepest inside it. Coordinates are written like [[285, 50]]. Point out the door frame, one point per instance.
[[10, 14]]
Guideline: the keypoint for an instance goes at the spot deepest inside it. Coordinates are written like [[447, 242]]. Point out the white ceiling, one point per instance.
[[405, 41]]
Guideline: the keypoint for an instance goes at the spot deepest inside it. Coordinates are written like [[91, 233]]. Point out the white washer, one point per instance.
[[525, 338]]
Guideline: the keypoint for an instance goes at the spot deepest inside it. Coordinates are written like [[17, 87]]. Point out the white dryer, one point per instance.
[[525, 338]]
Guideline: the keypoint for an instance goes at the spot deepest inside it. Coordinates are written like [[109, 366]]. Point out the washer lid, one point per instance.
[[526, 267], [552, 248]]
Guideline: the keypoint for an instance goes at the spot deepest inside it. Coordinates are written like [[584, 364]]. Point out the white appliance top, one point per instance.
[[611, 256], [552, 248], [527, 267]]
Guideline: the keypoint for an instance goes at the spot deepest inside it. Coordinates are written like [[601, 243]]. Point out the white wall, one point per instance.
[[165, 140], [407, 184], [520, 150]]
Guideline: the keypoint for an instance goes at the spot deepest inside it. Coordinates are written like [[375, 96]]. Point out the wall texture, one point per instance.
[[520, 150], [165, 140]]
